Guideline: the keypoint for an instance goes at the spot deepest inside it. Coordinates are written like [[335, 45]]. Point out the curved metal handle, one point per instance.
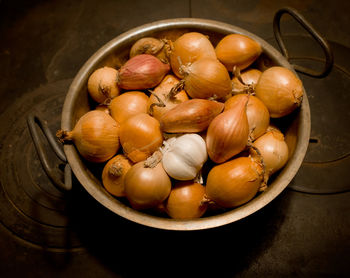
[[32, 121], [307, 26]]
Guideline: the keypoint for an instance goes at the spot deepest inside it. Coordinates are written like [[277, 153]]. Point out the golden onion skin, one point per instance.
[[237, 50], [280, 90], [187, 49], [186, 201], [235, 182]]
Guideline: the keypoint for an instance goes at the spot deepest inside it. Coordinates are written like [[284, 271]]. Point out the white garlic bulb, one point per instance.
[[184, 156]]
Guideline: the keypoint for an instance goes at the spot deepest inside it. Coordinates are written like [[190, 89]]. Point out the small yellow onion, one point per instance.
[[150, 45], [257, 114], [237, 50], [113, 174], [207, 78], [192, 115], [140, 136], [102, 84], [273, 149], [95, 135], [147, 185], [235, 182], [228, 133], [186, 200], [127, 105], [250, 78], [280, 90], [188, 48], [157, 108]]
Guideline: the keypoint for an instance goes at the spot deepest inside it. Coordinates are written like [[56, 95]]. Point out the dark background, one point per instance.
[[299, 235]]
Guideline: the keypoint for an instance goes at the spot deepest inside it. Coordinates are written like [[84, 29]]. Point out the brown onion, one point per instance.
[[141, 72], [103, 108], [237, 50], [280, 90], [193, 115], [95, 135], [187, 49], [235, 182], [159, 103], [186, 200], [140, 136], [273, 149], [113, 174], [257, 114], [228, 133], [207, 78], [250, 78], [102, 84], [150, 45], [127, 105], [146, 184]]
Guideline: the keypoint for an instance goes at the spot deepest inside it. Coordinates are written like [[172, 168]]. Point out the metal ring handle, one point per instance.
[[307, 26], [32, 121]]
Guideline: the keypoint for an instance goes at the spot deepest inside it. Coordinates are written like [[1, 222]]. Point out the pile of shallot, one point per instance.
[[184, 127]]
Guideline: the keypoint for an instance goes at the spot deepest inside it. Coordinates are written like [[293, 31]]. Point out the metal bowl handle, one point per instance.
[[307, 26], [32, 121]]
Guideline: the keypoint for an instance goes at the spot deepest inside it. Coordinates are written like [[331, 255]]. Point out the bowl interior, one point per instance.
[[114, 54]]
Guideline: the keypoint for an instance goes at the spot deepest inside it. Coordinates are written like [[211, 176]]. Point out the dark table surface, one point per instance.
[[298, 234]]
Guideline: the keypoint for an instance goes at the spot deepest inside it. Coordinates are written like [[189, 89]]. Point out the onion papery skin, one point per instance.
[[102, 84], [95, 135], [146, 187], [237, 50], [162, 91], [140, 136], [147, 45], [273, 149], [187, 49], [228, 133], [127, 105], [113, 175], [207, 78], [234, 182], [280, 90], [190, 116], [141, 72], [257, 113], [186, 201], [249, 77]]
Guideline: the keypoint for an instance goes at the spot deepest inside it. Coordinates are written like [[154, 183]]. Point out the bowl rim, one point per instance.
[[90, 183]]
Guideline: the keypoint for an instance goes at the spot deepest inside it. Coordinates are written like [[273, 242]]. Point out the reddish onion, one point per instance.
[[141, 72]]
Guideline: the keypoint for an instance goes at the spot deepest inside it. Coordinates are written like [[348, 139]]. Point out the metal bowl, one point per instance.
[[114, 54]]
